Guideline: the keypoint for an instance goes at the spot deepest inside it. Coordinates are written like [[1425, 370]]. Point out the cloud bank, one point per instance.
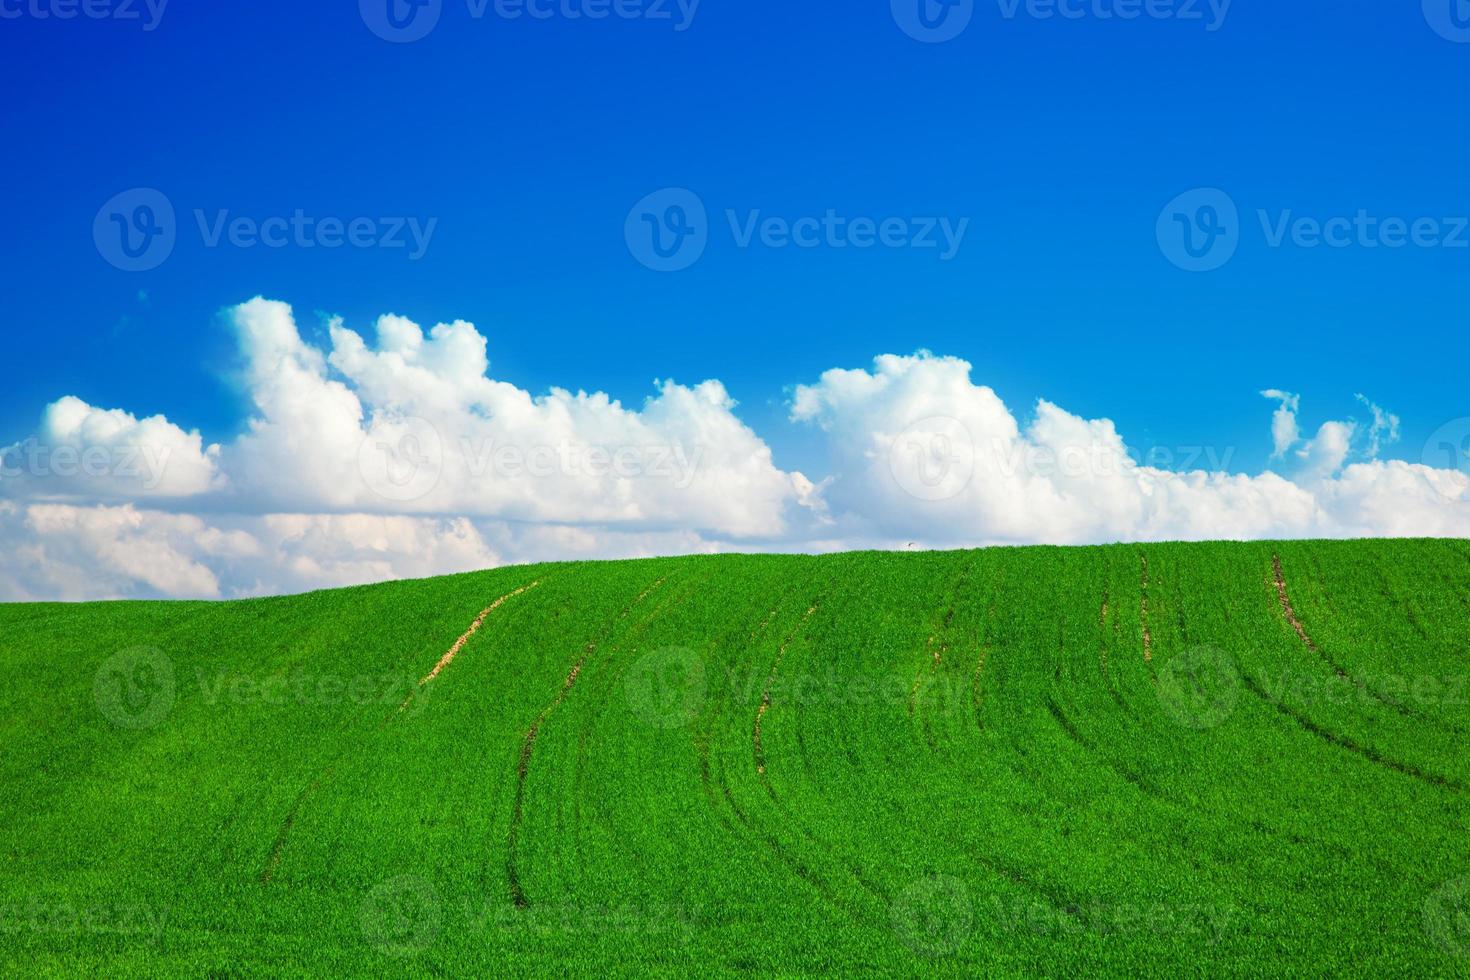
[[403, 456]]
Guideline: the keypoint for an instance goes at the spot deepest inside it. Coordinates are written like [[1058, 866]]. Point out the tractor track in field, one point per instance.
[[278, 845], [1108, 631], [986, 644], [1090, 749], [1155, 793], [1148, 638], [1349, 745], [1283, 596], [853, 869], [937, 651], [709, 777], [617, 677], [765, 703], [937, 646], [528, 747]]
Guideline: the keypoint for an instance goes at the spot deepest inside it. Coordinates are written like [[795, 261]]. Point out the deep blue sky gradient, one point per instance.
[[529, 141]]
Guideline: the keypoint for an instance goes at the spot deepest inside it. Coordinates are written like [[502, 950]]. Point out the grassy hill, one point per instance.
[[1239, 758]]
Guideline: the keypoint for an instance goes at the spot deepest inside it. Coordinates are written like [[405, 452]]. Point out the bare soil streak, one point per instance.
[[1290, 613], [474, 628]]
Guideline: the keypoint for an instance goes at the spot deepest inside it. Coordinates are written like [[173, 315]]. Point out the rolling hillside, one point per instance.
[[1164, 759]]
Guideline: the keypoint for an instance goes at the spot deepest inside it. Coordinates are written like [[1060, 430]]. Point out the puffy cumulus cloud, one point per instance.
[[413, 424], [923, 454], [87, 452], [61, 551], [402, 456], [1323, 455], [300, 447]]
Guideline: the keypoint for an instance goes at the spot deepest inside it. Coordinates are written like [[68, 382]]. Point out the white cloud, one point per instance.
[[1385, 428], [60, 551], [1325, 453], [87, 452], [416, 425], [404, 457], [1284, 430], [1065, 479]]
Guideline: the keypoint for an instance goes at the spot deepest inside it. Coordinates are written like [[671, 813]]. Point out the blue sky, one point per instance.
[[1142, 211], [529, 140]]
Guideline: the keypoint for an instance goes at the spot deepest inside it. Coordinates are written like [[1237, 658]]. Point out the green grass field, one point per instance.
[[1248, 759]]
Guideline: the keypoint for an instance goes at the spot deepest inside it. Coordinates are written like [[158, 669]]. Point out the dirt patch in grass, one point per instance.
[[453, 651]]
